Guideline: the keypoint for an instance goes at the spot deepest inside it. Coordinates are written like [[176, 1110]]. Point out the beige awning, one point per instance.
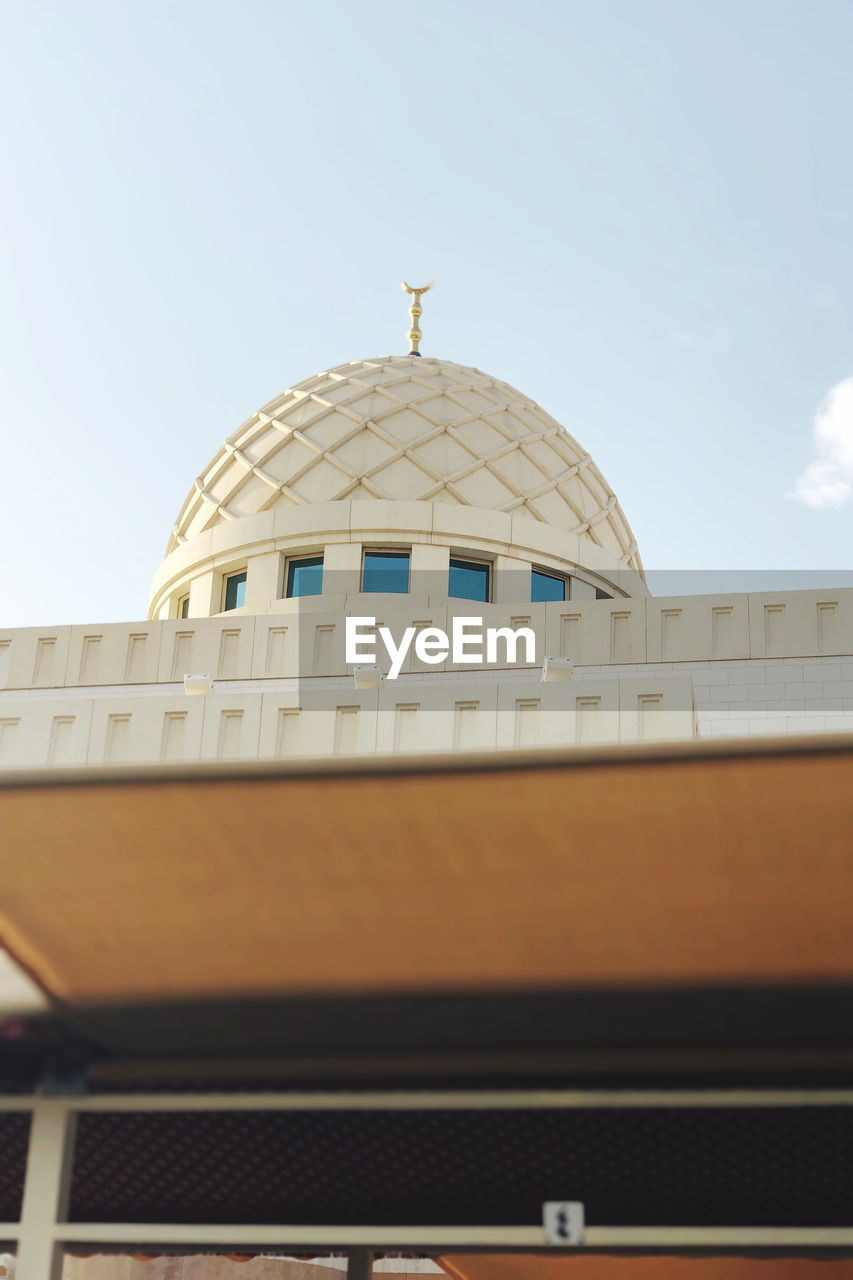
[[695, 864]]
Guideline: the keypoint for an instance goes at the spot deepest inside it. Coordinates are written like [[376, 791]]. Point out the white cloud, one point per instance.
[[828, 481]]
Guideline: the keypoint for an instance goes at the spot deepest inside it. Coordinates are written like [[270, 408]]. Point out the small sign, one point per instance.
[[564, 1222]]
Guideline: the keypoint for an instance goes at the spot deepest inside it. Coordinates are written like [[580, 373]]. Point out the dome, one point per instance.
[[408, 428]]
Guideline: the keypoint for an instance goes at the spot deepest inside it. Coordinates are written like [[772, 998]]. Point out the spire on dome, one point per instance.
[[415, 311]]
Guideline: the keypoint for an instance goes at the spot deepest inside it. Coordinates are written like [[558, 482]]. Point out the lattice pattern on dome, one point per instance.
[[403, 428]]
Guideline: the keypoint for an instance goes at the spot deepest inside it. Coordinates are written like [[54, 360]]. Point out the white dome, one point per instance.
[[413, 429]]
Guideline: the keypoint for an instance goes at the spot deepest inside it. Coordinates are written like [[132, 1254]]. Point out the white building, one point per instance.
[[412, 491], [282, 953]]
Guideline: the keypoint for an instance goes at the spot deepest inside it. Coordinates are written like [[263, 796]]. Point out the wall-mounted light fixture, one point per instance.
[[199, 682], [557, 669]]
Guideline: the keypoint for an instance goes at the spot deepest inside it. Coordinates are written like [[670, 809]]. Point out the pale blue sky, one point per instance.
[[640, 212]]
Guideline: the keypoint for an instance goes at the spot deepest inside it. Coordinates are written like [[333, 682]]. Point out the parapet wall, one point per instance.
[[644, 668], [420, 716], [304, 637]]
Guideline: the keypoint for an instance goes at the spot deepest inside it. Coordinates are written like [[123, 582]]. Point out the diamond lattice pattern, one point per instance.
[[403, 428]]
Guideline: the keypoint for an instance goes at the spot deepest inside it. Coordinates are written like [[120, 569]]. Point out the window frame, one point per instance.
[[182, 606], [565, 578], [477, 562], [400, 553], [291, 563], [226, 579]]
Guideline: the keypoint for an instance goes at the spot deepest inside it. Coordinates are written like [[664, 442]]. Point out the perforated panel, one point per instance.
[[671, 1167], [14, 1140]]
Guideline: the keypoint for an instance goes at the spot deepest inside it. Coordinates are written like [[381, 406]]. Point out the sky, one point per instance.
[[639, 212]]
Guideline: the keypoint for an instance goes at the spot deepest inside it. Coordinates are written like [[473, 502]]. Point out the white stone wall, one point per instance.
[[286, 719], [645, 668], [760, 695], [693, 630], [261, 545]]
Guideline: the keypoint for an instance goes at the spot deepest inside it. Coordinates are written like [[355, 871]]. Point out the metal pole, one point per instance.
[[360, 1264], [46, 1190]]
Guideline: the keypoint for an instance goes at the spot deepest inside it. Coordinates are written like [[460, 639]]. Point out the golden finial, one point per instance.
[[415, 311]]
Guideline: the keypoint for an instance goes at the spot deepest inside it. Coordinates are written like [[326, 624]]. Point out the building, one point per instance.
[[279, 913], [411, 491]]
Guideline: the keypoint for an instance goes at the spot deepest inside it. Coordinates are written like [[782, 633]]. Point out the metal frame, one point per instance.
[[43, 1230]]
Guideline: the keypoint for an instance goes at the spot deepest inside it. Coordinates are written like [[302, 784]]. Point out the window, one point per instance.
[[469, 580], [184, 607], [602, 595], [385, 571], [235, 590], [304, 577], [546, 586]]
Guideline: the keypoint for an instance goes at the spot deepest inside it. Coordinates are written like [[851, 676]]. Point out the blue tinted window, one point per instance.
[[547, 586], [385, 571], [469, 580], [235, 591], [305, 577]]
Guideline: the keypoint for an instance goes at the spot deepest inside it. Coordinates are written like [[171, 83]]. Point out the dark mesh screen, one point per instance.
[[14, 1141], [671, 1167]]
